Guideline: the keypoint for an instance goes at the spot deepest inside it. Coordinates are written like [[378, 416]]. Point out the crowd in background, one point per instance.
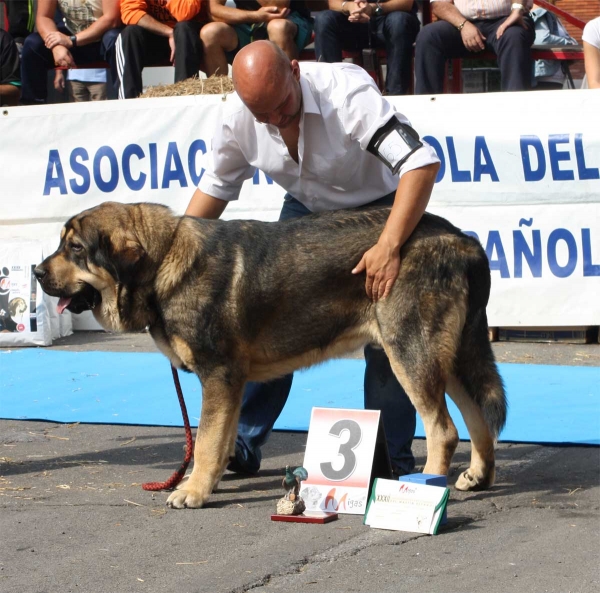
[[77, 39]]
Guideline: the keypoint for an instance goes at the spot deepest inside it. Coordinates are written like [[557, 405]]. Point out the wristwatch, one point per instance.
[[378, 10], [73, 40], [517, 6]]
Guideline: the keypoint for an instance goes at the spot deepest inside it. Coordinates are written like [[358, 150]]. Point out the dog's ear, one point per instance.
[[126, 250]]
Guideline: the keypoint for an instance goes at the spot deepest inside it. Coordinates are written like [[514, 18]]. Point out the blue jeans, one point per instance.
[[36, 60], [263, 402], [396, 31]]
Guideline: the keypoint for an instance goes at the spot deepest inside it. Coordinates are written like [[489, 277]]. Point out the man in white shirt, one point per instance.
[[328, 137], [465, 27]]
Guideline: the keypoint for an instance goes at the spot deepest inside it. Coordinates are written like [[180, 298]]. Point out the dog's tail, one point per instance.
[[475, 365]]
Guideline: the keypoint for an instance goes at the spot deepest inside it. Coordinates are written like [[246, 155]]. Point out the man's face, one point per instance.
[[279, 105]]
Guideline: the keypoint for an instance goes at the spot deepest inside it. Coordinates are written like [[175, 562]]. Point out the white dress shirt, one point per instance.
[[341, 111]]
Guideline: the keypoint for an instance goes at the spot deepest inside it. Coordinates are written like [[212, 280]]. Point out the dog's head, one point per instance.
[[99, 255]]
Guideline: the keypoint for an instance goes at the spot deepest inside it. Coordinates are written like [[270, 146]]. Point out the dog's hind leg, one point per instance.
[[476, 388], [423, 381], [221, 403]]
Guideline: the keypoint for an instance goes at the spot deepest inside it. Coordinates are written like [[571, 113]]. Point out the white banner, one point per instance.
[[526, 181]]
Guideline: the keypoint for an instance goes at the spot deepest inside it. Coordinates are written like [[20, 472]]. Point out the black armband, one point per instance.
[[393, 143]]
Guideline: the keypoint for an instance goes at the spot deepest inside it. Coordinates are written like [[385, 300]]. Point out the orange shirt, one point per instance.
[[168, 12]]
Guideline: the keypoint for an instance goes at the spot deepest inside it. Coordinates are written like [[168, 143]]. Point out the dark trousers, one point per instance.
[[396, 31], [440, 41], [137, 48], [36, 60], [263, 402]]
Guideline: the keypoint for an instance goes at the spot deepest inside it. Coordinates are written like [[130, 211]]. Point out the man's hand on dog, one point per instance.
[[382, 264]]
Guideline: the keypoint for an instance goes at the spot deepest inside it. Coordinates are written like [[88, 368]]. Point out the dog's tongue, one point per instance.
[[63, 303]]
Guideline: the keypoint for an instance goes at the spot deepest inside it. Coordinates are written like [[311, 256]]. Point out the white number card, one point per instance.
[[339, 458]]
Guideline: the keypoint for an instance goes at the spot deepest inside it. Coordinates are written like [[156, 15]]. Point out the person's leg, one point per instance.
[[36, 60], [188, 52], [217, 39], [137, 47], [333, 33], [397, 31], [262, 403], [108, 53], [513, 50], [282, 33], [436, 43], [78, 91], [384, 392], [97, 91]]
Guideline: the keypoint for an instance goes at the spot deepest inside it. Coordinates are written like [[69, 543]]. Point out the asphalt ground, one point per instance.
[[73, 515]]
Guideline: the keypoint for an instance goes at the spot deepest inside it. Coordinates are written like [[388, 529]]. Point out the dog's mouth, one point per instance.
[[84, 300]]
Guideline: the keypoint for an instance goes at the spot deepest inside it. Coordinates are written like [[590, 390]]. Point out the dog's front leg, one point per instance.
[[221, 403]]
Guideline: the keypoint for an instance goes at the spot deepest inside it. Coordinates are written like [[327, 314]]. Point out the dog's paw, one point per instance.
[[468, 481], [187, 498]]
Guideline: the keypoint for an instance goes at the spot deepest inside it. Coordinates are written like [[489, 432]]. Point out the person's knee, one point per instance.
[[431, 36], [516, 38], [185, 30], [281, 29], [214, 33], [325, 20], [132, 33], [33, 44]]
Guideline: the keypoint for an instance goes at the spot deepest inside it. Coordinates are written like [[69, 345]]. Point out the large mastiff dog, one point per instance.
[[250, 301]]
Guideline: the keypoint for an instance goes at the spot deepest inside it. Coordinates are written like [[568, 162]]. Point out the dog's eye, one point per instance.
[[76, 247]]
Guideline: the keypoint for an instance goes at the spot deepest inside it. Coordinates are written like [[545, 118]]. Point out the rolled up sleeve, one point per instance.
[[225, 167]]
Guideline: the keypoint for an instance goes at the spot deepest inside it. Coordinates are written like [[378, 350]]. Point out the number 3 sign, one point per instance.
[[340, 452]]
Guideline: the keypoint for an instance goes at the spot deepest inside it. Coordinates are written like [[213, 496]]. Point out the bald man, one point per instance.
[[328, 137]]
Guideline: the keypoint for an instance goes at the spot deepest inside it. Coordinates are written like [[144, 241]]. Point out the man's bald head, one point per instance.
[[258, 66], [263, 76]]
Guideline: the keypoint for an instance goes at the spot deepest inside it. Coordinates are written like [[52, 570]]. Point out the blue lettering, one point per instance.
[[483, 161], [52, 181], [176, 174], [556, 236], [153, 168], [111, 184], [132, 150], [534, 259], [256, 178], [495, 242], [81, 170], [589, 269], [584, 172], [458, 176], [556, 156], [197, 145], [440, 152], [535, 143]]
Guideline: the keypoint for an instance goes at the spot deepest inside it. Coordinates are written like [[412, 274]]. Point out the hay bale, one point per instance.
[[215, 85]]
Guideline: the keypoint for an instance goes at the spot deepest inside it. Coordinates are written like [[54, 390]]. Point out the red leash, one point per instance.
[[189, 444]]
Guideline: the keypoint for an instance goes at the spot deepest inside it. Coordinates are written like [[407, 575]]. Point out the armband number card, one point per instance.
[[345, 451]]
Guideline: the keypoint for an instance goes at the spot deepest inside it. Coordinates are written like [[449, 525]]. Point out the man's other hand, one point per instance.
[[382, 264], [472, 38], [514, 18]]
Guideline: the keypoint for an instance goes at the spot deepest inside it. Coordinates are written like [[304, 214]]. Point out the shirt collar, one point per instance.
[[309, 105]]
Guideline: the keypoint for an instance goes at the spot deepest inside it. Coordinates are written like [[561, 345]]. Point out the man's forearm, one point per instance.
[[204, 206], [45, 25], [448, 12], [412, 197], [151, 24], [96, 30], [232, 16]]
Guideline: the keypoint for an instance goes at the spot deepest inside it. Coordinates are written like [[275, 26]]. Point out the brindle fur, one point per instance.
[[247, 300]]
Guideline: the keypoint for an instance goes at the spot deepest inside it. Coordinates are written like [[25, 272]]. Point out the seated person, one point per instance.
[[287, 23], [10, 75], [469, 26], [21, 17], [591, 53], [82, 84], [157, 31], [392, 24], [549, 74], [88, 35]]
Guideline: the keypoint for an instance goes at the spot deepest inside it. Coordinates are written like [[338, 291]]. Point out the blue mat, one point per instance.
[[548, 404]]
